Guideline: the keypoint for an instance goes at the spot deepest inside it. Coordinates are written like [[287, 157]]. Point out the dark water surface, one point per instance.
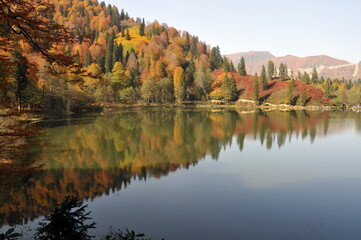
[[191, 174]]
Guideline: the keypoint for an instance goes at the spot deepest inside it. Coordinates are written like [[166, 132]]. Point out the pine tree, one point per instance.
[[115, 57], [314, 77], [134, 78], [77, 57], [109, 53], [241, 67], [306, 78], [127, 35], [20, 75], [101, 63], [116, 17], [231, 67], [163, 70], [263, 78], [150, 90], [290, 94], [166, 90], [187, 45], [229, 88], [142, 28], [255, 89], [216, 59], [327, 88], [283, 71], [122, 15], [189, 76], [275, 71], [67, 51], [303, 98], [120, 53], [61, 10], [226, 66], [88, 58], [271, 70], [193, 48]]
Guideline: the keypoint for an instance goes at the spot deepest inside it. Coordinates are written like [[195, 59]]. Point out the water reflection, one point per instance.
[[93, 157]]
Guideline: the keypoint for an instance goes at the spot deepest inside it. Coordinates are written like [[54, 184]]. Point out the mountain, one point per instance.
[[251, 57], [326, 66]]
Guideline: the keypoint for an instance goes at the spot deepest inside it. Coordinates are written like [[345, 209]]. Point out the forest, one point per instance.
[[93, 54]]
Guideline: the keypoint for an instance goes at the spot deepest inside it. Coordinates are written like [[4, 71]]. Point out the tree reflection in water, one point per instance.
[[91, 157]]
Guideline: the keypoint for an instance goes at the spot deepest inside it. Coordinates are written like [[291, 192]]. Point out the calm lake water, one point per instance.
[[192, 174]]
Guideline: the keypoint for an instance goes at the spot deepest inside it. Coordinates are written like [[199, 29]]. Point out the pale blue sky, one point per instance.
[[300, 28]]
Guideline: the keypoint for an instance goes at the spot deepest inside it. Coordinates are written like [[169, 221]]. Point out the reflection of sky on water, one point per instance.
[[297, 162], [299, 191]]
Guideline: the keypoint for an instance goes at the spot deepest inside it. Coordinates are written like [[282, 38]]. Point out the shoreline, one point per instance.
[[220, 104], [33, 117]]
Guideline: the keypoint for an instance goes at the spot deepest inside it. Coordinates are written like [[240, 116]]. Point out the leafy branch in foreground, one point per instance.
[[127, 235], [68, 221], [10, 235]]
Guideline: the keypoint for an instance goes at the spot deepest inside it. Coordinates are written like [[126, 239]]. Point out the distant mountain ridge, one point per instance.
[[326, 66]]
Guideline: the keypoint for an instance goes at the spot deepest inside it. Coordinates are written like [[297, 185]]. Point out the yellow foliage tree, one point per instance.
[[119, 79], [96, 72], [179, 84]]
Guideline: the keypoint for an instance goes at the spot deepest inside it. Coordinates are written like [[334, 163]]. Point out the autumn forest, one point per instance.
[[97, 54], [151, 127]]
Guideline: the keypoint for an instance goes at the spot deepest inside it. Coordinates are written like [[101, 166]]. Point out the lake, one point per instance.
[[198, 174]]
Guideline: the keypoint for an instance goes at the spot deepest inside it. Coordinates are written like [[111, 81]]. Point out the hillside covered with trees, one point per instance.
[[118, 59]]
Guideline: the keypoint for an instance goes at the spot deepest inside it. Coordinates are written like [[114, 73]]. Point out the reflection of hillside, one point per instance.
[[88, 160]]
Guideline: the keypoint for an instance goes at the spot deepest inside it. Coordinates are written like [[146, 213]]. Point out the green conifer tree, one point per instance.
[[109, 53], [241, 67], [193, 48], [314, 77], [283, 71], [263, 78], [116, 54], [216, 59], [77, 58], [127, 35], [229, 88], [256, 89], [290, 94], [303, 98], [142, 28], [189, 77], [231, 67], [327, 88], [122, 15], [88, 58], [306, 78], [271, 70], [226, 66], [20, 76]]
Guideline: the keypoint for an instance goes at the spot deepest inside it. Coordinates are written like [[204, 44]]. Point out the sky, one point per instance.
[[301, 28]]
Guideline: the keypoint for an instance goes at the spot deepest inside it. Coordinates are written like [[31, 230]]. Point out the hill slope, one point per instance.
[[130, 62]]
